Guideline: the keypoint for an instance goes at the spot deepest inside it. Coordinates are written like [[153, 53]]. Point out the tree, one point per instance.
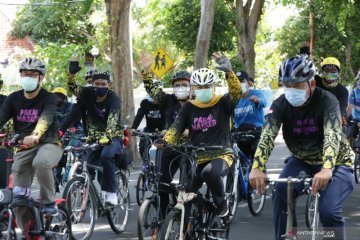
[[118, 13], [246, 23], [204, 33]]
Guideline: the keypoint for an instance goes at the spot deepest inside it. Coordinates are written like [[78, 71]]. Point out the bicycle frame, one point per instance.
[[244, 179]]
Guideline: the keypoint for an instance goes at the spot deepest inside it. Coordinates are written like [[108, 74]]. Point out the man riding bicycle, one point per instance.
[[208, 120], [249, 114], [33, 111], [103, 126], [311, 126]]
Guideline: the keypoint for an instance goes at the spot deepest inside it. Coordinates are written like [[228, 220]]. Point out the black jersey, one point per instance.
[[154, 114]]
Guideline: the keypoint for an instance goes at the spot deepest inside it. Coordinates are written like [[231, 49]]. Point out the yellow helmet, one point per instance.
[[330, 61], [60, 90]]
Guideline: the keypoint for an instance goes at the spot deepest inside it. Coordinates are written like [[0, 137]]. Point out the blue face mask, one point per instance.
[[204, 95], [296, 97], [29, 84]]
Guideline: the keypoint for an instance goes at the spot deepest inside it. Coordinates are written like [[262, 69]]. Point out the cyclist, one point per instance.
[[353, 110], [311, 121], [33, 111], [330, 68], [172, 104], [103, 125], [249, 114], [208, 120], [155, 120]]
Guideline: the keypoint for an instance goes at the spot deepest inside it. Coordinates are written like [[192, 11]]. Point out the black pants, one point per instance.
[[212, 173], [4, 166]]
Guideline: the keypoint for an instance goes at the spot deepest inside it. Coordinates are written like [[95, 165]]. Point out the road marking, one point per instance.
[[274, 170]]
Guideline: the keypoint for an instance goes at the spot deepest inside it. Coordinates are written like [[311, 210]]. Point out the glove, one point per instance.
[[223, 62], [104, 140], [160, 143], [74, 67]]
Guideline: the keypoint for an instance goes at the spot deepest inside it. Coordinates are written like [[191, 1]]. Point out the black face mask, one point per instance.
[[100, 92], [61, 103]]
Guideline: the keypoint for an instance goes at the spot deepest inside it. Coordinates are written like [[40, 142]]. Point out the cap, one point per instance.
[[242, 75]]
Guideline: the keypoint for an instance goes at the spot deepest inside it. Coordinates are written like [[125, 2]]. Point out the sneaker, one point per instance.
[[50, 209], [223, 209], [111, 198]]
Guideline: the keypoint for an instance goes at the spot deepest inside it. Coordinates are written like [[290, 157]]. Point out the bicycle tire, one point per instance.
[[4, 223], [81, 230], [252, 193], [173, 217], [140, 188], [118, 224], [357, 169], [148, 226], [234, 193], [59, 226], [309, 211]]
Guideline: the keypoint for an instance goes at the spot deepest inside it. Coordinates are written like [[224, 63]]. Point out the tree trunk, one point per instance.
[[349, 71], [247, 18], [118, 13], [204, 33]]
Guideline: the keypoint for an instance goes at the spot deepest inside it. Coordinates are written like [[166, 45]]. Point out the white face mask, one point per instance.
[[296, 97], [182, 92], [244, 87], [29, 84]]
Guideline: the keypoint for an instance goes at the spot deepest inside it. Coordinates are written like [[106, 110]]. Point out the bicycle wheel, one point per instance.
[[58, 227], [310, 211], [148, 225], [141, 188], [170, 228], [357, 169], [256, 201], [82, 213], [232, 193], [118, 215], [4, 223], [218, 228]]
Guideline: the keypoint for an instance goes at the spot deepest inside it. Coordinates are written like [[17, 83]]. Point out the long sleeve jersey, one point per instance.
[[167, 101], [208, 123], [312, 132], [103, 118], [154, 114], [35, 116]]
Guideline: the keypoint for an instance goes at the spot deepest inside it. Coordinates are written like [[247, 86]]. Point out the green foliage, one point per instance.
[[51, 22]]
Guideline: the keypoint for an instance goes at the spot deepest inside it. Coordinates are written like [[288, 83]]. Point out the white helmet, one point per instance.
[[203, 76], [32, 64]]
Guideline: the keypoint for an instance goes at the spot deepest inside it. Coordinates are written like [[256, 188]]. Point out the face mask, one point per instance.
[[244, 87], [101, 92], [29, 84], [182, 92], [332, 76], [204, 95], [296, 97], [150, 99]]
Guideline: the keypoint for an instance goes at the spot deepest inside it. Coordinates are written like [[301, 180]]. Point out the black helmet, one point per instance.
[[296, 69], [182, 75]]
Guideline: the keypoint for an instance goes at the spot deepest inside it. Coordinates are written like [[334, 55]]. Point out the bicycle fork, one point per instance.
[[182, 198], [315, 221], [289, 234]]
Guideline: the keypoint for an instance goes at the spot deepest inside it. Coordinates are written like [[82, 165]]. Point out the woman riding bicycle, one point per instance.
[[208, 120]]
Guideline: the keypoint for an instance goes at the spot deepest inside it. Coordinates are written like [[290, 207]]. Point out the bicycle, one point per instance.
[[290, 233], [149, 220], [356, 148], [147, 178], [241, 189], [203, 221], [84, 201], [39, 225]]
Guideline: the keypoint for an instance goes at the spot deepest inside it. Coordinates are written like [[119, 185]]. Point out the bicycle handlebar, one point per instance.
[[146, 134], [188, 147]]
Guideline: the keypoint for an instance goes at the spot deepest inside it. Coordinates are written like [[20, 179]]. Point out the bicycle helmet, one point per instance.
[[182, 75], [32, 64], [203, 76], [89, 74], [330, 62], [60, 90], [296, 69]]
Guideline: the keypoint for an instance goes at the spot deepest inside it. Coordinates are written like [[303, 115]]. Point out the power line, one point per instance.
[[41, 4]]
